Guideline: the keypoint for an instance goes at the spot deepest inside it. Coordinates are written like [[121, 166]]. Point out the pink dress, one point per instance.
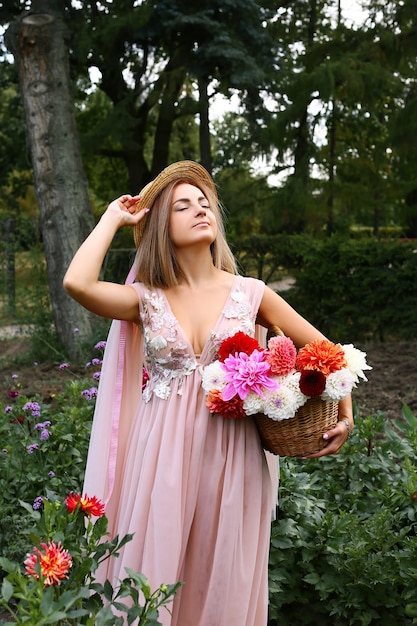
[[194, 488]]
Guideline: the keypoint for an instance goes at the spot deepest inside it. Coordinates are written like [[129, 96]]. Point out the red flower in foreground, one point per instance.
[[239, 342], [312, 383], [89, 506], [54, 563], [321, 355], [232, 409]]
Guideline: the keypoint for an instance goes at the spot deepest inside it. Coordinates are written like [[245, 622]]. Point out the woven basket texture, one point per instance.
[[299, 435], [302, 434]]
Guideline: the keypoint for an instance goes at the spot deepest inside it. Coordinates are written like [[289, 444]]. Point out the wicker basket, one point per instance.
[[302, 434]]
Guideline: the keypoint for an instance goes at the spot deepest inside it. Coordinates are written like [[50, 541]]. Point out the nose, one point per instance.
[[201, 210]]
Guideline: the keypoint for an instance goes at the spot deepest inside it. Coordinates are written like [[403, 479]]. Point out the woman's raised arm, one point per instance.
[[81, 280]]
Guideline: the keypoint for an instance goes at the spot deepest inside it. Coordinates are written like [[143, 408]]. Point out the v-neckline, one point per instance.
[[184, 334]]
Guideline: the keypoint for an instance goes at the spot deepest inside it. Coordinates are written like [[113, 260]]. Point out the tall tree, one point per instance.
[[38, 41], [162, 61]]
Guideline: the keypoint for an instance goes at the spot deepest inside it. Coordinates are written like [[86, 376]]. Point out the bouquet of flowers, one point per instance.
[[276, 382]]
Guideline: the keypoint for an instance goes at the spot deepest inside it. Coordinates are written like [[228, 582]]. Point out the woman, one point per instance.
[[195, 489]]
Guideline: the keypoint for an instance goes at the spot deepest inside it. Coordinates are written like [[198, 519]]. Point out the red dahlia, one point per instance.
[[88, 505], [239, 342], [312, 383]]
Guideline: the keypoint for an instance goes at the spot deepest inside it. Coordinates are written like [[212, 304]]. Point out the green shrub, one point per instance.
[[353, 290], [359, 290], [58, 585], [344, 546], [43, 448]]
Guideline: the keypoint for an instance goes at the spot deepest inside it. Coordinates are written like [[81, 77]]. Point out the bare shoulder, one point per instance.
[[226, 278]]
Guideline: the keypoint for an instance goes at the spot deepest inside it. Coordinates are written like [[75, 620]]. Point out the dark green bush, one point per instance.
[[359, 290], [344, 546], [353, 290]]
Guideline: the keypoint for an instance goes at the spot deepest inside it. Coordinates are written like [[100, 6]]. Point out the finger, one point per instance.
[[136, 217]]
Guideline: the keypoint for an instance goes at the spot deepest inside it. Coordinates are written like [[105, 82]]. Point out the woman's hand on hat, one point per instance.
[[125, 209]]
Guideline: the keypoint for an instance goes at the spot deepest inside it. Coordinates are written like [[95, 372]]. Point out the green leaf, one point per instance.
[[6, 590], [47, 601], [55, 617], [108, 590]]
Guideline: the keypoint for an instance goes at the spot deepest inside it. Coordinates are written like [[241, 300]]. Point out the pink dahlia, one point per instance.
[[245, 373], [281, 355]]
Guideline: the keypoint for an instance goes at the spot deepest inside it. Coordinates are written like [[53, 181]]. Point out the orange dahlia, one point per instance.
[[54, 563], [88, 505], [232, 409], [321, 355]]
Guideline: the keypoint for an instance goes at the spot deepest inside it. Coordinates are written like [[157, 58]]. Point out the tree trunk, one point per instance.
[[331, 167], [205, 144], [38, 41], [174, 81]]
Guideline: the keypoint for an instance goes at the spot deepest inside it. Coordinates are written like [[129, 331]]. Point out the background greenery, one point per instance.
[[319, 141], [315, 164]]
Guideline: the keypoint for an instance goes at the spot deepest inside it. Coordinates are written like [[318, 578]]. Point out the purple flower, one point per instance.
[[14, 376], [37, 503], [96, 361], [12, 394], [42, 425], [8, 409], [100, 345], [33, 407], [89, 393], [245, 373], [76, 330], [96, 375], [32, 448], [64, 366], [4, 451], [45, 434], [51, 474]]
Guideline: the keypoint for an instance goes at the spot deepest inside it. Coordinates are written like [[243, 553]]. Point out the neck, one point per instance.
[[197, 267]]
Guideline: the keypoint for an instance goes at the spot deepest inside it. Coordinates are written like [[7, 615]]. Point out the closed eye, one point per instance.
[[178, 206]]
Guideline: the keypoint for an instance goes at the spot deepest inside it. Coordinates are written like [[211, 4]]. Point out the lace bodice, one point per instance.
[[169, 356]]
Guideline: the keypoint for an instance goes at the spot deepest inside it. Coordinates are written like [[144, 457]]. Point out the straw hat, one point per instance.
[[187, 171]]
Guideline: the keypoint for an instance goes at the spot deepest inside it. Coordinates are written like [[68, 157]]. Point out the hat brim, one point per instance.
[[188, 171]]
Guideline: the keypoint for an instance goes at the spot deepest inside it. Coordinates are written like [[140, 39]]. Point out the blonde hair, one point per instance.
[[155, 261]]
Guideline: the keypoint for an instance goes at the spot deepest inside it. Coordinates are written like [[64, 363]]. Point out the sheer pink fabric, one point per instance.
[[195, 489]]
